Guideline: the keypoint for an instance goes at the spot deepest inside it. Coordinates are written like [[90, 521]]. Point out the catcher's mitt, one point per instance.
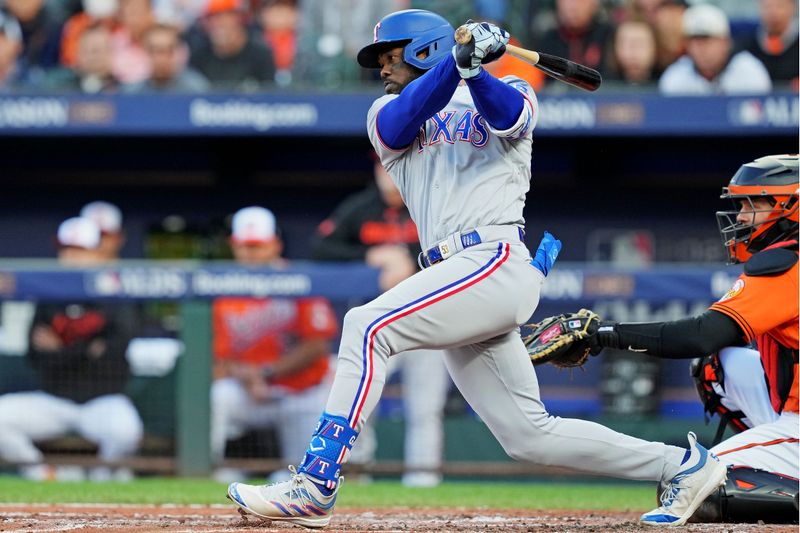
[[563, 340]]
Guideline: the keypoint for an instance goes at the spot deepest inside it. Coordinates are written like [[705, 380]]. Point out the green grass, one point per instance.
[[539, 495]]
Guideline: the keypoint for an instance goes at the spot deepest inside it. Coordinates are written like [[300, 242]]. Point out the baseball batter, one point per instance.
[[457, 143]]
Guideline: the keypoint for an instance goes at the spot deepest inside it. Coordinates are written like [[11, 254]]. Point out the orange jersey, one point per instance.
[[766, 310], [259, 331]]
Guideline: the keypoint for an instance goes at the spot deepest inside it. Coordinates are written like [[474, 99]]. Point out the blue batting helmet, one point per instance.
[[419, 31]]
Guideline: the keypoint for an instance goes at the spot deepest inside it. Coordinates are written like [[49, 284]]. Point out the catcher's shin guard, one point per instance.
[[705, 371], [748, 496]]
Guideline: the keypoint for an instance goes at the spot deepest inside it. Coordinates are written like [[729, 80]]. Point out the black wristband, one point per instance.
[[607, 335]]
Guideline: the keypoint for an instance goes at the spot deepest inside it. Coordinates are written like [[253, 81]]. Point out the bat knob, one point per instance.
[[463, 35]]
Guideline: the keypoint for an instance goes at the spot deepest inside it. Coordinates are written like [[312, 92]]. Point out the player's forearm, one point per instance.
[[400, 120], [497, 102], [302, 355], [678, 339]]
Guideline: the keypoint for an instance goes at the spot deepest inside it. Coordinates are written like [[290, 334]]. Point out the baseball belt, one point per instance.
[[455, 242]]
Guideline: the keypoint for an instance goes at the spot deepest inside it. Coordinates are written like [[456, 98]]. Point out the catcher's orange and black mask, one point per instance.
[[774, 178]]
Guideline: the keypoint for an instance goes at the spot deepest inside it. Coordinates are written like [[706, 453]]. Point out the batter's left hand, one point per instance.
[[546, 253]]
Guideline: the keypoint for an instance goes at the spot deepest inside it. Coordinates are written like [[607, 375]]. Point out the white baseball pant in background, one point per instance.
[[110, 421]]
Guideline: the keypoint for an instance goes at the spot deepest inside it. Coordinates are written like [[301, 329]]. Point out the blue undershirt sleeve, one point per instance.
[[497, 102], [399, 121]]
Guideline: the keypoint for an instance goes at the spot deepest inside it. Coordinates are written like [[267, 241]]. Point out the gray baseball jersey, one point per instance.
[[458, 176], [461, 174]]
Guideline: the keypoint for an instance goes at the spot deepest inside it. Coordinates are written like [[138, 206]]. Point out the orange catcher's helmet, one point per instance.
[[774, 178]]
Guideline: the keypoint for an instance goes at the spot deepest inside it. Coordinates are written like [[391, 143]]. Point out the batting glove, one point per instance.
[[546, 253], [488, 43]]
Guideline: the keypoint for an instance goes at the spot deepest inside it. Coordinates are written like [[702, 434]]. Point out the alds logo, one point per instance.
[[734, 291]]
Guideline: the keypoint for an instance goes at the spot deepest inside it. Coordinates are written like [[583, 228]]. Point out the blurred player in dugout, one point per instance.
[[375, 227], [108, 218], [78, 352], [755, 391], [272, 355]]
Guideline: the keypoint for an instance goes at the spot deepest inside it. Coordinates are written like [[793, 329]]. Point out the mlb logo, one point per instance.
[[574, 324]]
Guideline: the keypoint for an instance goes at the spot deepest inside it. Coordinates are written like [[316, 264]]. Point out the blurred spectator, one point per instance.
[[180, 13], [580, 35], [61, 10], [232, 57], [93, 70], [41, 37], [78, 352], [94, 12], [272, 355], [108, 218], [278, 21], [330, 35], [646, 10], [633, 60], [709, 67], [509, 65], [10, 48], [169, 73], [131, 62], [374, 226], [669, 32], [775, 41]]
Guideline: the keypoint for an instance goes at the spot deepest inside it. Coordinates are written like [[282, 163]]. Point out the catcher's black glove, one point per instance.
[[564, 340]]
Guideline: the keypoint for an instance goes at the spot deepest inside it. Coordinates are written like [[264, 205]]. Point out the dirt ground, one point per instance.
[[223, 518]]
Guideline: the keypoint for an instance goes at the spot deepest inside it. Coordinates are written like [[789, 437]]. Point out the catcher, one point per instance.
[[755, 392]]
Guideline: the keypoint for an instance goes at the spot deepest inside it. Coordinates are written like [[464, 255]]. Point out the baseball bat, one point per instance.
[[556, 67]]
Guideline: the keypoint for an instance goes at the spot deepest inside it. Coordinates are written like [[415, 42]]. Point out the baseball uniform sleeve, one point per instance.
[[396, 122], [527, 118], [337, 237], [221, 336], [385, 152], [500, 104], [316, 319], [758, 303]]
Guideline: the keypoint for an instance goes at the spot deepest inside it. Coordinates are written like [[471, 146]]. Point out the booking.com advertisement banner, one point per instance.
[[567, 284], [345, 114]]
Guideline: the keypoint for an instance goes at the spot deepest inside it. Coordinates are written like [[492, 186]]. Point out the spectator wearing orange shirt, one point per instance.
[[271, 354], [95, 12], [581, 33], [278, 20], [775, 41], [92, 72]]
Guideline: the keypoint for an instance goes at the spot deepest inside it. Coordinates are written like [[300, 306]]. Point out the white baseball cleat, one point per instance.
[[684, 493], [298, 501]]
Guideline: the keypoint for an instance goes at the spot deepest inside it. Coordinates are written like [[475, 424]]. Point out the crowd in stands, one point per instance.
[[186, 46]]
